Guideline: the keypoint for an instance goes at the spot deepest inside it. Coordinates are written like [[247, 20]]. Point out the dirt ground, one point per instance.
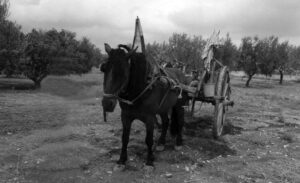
[[58, 135]]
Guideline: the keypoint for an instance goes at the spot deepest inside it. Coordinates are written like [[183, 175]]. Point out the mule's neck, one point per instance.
[[140, 71]]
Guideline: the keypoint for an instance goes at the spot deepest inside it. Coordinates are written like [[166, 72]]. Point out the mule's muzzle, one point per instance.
[[109, 104]]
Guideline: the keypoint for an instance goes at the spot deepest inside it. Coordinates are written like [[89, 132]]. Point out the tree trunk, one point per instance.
[[248, 81], [281, 77], [37, 81], [37, 84]]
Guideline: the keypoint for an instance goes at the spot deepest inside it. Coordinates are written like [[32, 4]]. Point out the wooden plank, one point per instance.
[[188, 89]]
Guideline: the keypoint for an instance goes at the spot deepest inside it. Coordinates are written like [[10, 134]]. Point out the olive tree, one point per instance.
[[248, 58]]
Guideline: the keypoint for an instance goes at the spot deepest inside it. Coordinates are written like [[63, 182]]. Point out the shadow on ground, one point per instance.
[[15, 84], [198, 133]]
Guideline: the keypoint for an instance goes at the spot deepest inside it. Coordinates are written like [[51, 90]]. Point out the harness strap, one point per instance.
[[164, 98], [144, 91], [140, 95]]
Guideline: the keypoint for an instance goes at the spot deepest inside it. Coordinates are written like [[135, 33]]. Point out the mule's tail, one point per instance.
[[177, 120]]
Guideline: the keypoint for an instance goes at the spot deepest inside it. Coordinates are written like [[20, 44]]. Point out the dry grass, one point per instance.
[[74, 86]]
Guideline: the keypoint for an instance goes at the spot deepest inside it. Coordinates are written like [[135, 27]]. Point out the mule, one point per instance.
[[142, 94]]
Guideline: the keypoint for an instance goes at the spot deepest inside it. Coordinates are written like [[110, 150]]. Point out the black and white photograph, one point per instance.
[[149, 91]]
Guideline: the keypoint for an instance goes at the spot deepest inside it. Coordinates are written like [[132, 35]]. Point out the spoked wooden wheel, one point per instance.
[[223, 95]]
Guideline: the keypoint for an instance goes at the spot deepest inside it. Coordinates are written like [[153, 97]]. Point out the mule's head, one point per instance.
[[116, 69]]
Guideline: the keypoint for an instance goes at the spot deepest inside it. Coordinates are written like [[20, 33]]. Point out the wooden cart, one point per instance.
[[213, 87], [214, 84]]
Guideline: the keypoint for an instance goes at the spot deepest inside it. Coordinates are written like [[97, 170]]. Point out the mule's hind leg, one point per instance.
[[149, 138], [126, 123], [177, 125], [162, 138]]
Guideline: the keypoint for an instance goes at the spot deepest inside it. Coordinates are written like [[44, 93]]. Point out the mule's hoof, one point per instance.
[[178, 148], [160, 148], [119, 168]]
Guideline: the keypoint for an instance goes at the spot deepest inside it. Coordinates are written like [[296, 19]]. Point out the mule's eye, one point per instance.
[[103, 67]]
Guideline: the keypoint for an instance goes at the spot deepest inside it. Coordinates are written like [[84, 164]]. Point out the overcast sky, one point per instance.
[[112, 21]]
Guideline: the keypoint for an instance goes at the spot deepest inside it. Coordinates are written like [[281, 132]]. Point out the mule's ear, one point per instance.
[[107, 48]]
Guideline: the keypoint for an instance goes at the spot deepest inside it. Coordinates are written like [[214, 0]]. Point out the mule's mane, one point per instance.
[[118, 52]]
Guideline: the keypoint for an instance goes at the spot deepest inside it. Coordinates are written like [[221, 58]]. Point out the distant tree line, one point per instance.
[[254, 56], [40, 53]]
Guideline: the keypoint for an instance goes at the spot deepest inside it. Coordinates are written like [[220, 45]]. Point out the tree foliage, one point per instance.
[[264, 56], [228, 53], [283, 63], [11, 39], [248, 57], [188, 50], [255, 55], [179, 48], [39, 51], [59, 53], [4, 7], [267, 55], [294, 57]]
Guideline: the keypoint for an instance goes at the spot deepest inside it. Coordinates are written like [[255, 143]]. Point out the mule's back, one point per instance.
[[176, 75]]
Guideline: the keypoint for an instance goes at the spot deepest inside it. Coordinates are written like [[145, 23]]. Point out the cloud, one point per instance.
[[29, 2], [241, 18], [113, 20], [98, 20]]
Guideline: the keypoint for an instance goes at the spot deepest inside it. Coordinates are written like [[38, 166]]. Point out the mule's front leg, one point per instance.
[[126, 123], [177, 125], [149, 139]]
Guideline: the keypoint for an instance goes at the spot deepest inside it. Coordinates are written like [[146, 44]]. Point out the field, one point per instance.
[[57, 134]]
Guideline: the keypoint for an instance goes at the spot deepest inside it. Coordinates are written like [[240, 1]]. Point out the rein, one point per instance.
[[131, 102]]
